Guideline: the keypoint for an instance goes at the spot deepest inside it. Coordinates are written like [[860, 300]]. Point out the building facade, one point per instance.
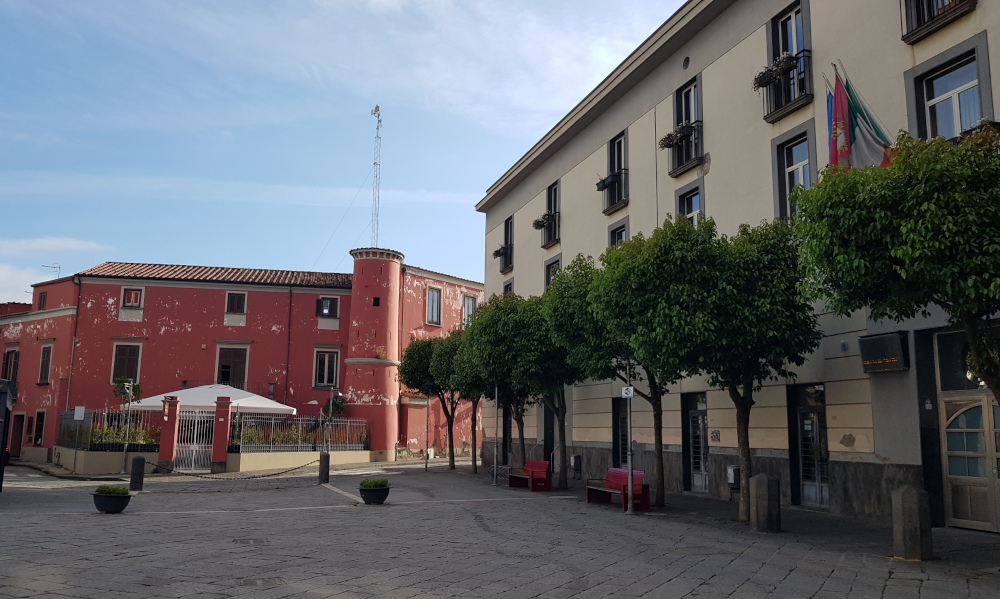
[[738, 140], [295, 337]]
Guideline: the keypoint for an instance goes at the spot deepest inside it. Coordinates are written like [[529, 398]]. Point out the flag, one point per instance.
[[856, 140]]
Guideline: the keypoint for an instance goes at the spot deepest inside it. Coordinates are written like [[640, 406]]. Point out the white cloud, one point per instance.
[[45, 246], [516, 66], [14, 281], [22, 185]]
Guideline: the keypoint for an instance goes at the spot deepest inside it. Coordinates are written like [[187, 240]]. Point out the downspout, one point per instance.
[[72, 350], [288, 347], [399, 355]]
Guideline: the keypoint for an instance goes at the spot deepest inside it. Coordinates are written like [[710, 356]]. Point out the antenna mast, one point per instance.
[[377, 113]]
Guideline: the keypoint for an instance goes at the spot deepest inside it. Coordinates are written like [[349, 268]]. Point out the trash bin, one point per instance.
[[733, 477]]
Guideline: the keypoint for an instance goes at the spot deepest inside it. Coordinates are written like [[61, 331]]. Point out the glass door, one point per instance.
[[814, 455], [698, 442]]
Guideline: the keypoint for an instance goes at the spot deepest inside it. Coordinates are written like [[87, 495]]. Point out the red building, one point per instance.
[[296, 337]]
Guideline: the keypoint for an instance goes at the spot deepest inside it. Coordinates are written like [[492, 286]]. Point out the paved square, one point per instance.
[[444, 534]]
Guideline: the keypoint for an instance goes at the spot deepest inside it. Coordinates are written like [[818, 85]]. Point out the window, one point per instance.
[[950, 93], [468, 309], [328, 307], [326, 368], [506, 251], [39, 428], [45, 366], [126, 363], [689, 205], [552, 268], [132, 298], [508, 287], [615, 185], [616, 236], [795, 163], [433, 305], [924, 17], [236, 303], [953, 100], [376, 302], [550, 220], [10, 360], [43, 299], [687, 151], [788, 86]]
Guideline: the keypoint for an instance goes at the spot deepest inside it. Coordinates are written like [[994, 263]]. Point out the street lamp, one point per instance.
[[128, 412]]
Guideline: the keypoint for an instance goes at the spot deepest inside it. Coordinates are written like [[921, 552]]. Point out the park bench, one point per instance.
[[536, 476], [603, 490]]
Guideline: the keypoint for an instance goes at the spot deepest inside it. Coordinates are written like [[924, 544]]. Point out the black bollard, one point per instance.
[[138, 473], [324, 467]]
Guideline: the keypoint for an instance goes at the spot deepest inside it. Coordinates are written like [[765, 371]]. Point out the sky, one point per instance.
[[239, 133]]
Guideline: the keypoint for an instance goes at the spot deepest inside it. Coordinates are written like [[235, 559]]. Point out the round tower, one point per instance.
[[371, 378]]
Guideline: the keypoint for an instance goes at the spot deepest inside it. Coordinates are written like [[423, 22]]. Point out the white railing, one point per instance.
[[264, 433]]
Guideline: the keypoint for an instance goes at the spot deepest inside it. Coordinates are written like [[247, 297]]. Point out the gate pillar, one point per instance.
[[220, 440], [168, 432]]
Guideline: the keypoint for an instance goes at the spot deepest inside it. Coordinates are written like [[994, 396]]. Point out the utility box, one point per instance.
[[733, 477], [576, 463]]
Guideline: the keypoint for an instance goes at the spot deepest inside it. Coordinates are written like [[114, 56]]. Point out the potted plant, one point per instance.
[[374, 491], [110, 499], [544, 220], [784, 63], [762, 79], [500, 251], [676, 137]]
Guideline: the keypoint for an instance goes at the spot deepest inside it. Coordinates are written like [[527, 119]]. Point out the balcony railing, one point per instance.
[[689, 152], [550, 232], [615, 188], [924, 17], [790, 90], [506, 255]]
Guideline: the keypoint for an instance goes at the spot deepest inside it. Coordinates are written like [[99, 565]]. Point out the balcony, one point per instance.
[[688, 150], [924, 17], [548, 224], [506, 255], [788, 89], [615, 188]]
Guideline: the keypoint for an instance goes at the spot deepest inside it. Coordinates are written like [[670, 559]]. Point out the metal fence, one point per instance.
[[108, 430], [262, 433]]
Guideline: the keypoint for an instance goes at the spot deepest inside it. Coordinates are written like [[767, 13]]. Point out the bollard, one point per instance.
[[138, 473], [911, 524], [765, 503], [324, 467]]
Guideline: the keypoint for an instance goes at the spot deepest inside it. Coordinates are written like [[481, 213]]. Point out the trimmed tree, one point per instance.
[[651, 294], [468, 380], [415, 372], [759, 324], [924, 231], [442, 368]]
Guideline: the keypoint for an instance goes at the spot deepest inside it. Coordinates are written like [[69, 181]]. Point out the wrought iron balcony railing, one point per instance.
[[690, 151], [924, 17], [790, 89]]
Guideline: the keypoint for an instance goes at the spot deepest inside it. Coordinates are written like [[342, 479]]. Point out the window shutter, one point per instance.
[[319, 307]]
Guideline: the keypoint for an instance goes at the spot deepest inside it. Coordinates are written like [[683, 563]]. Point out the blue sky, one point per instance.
[[239, 133]]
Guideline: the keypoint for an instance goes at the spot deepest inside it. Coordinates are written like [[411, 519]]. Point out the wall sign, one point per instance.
[[885, 353]]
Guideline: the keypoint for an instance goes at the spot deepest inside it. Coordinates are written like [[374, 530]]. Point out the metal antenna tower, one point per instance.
[[377, 113]]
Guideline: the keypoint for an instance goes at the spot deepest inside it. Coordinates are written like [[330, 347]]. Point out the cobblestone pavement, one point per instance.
[[444, 534]]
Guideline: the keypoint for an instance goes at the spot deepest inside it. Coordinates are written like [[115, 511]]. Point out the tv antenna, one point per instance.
[[377, 113], [55, 268]]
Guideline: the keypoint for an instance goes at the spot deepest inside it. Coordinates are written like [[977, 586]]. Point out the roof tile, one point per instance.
[[218, 274]]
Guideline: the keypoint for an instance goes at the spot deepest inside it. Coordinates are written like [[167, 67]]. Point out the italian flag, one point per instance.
[[856, 140]]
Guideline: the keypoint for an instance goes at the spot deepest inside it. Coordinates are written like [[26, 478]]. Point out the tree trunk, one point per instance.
[[518, 416], [661, 487], [562, 482], [475, 410], [743, 405], [981, 355], [449, 415]]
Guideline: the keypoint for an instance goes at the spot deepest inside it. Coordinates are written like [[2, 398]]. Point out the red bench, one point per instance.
[[603, 490], [536, 476]]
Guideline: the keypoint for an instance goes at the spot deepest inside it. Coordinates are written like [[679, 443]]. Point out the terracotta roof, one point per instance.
[[217, 274]]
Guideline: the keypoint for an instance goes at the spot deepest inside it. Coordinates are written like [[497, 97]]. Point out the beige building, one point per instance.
[[841, 438]]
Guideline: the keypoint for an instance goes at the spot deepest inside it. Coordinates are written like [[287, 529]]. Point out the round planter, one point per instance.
[[111, 504], [374, 496]]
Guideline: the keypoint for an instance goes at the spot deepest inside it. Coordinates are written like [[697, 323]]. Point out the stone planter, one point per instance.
[[374, 496], [111, 504]]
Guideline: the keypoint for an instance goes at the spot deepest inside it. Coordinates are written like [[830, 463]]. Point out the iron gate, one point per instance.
[[194, 441]]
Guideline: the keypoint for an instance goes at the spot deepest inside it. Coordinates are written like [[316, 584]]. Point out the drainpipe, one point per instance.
[[76, 325], [288, 348]]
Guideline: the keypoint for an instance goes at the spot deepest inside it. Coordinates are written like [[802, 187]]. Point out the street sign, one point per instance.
[[627, 392], [78, 412]]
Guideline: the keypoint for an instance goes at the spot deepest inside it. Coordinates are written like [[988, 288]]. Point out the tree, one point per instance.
[[442, 369], [651, 294], [923, 231], [416, 373], [489, 352], [759, 323], [542, 366], [467, 378]]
